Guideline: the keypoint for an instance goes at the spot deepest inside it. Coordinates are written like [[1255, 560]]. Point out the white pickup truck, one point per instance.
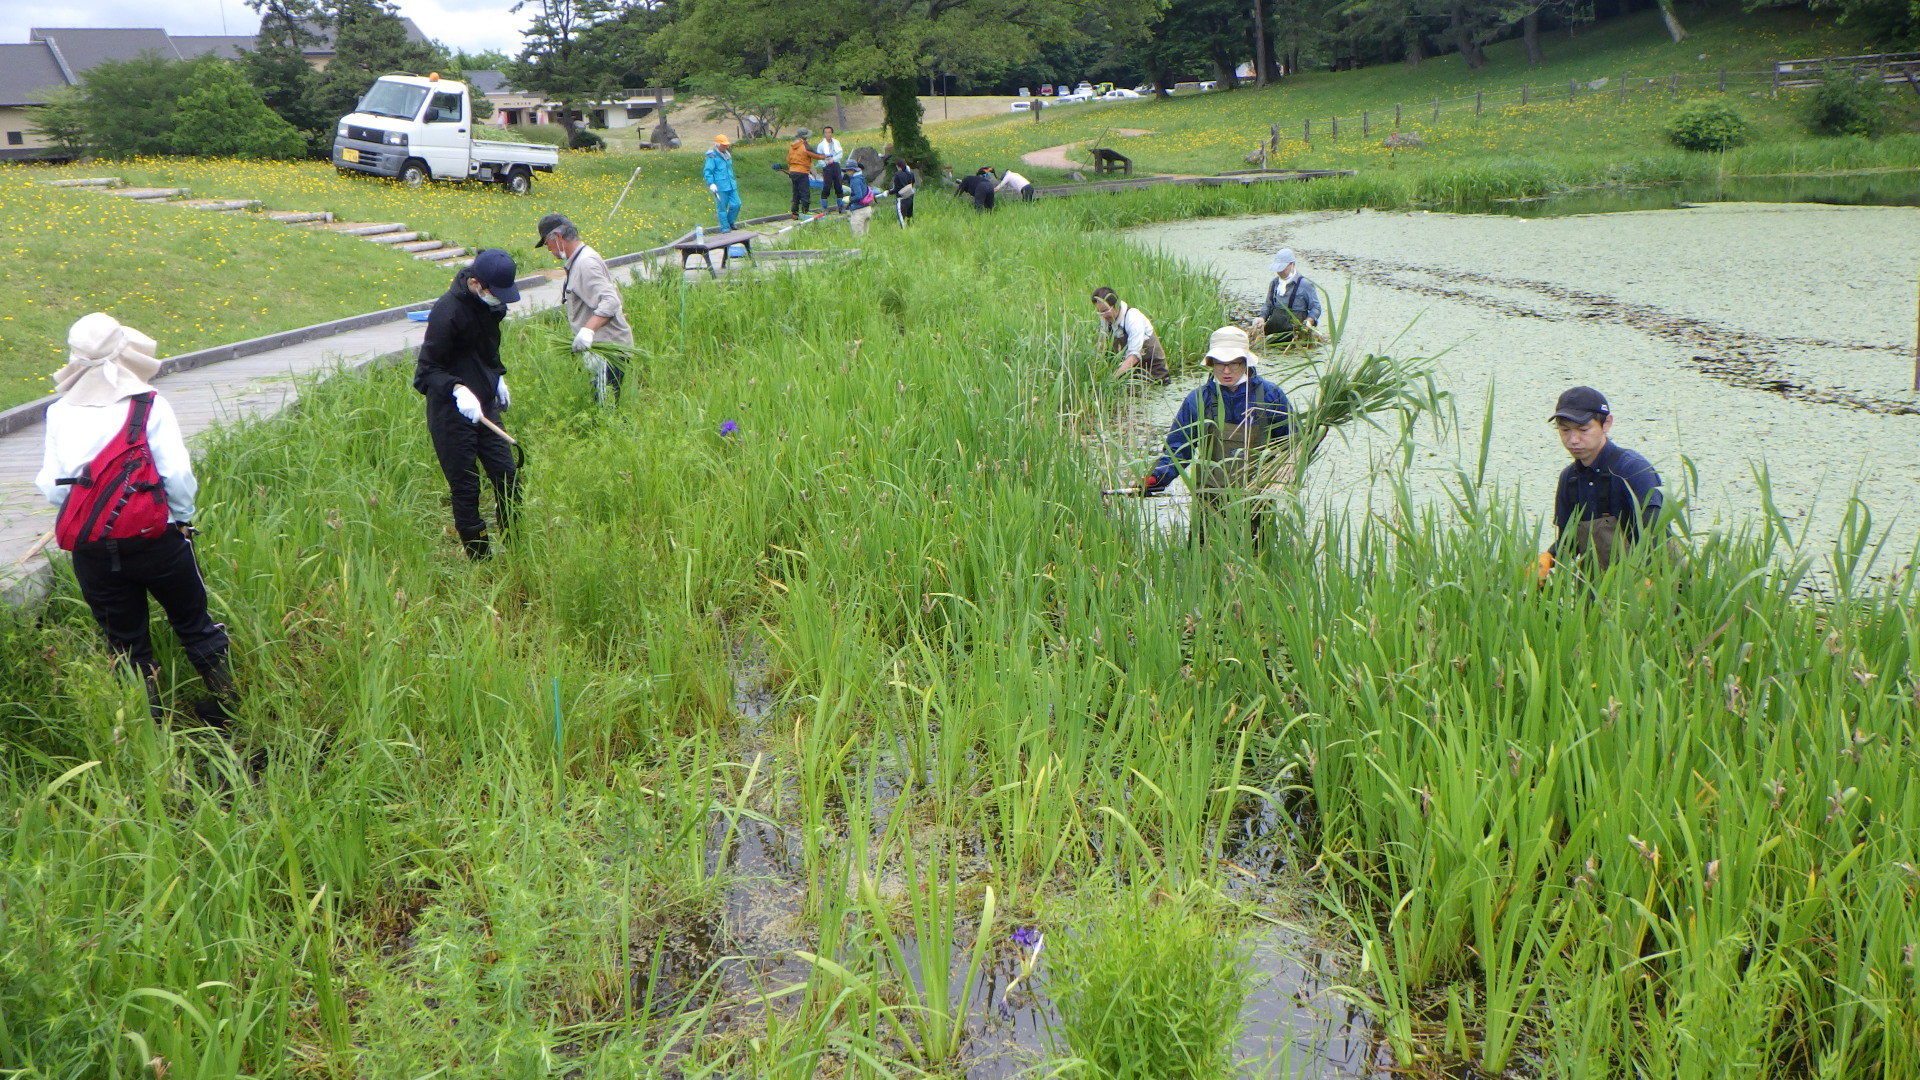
[[419, 129]]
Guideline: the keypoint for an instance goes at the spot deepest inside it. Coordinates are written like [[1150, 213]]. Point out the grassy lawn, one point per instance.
[[507, 819], [1210, 133]]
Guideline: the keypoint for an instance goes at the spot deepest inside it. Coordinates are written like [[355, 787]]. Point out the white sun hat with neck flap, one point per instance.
[[1230, 343], [106, 362]]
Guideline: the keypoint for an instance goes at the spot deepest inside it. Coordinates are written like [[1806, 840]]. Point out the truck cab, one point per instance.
[[417, 129]]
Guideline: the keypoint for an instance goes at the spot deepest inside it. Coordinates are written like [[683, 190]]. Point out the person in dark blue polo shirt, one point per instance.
[[1610, 495]]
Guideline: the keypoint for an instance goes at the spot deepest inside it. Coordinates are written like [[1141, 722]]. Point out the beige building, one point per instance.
[[512, 108]]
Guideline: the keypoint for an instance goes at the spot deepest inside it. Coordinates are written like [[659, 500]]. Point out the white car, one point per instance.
[[1022, 105], [1118, 94], [416, 130], [1068, 99], [1085, 89]]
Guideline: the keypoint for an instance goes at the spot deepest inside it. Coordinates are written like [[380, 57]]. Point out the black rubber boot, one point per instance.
[[477, 545], [216, 709], [150, 676]]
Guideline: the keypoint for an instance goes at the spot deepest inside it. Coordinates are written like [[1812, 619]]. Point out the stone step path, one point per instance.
[[391, 234]]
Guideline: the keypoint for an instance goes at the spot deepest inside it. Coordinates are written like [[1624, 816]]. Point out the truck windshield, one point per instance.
[[393, 99]]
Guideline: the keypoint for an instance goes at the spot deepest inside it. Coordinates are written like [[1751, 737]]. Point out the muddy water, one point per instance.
[[1295, 1025], [1738, 340]]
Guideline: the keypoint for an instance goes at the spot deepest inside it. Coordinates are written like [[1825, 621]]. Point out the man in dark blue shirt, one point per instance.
[[1609, 495], [1223, 435]]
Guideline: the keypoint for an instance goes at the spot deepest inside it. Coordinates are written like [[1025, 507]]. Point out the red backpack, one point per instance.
[[118, 495]]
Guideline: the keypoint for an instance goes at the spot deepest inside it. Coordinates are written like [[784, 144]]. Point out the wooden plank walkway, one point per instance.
[[1132, 183], [256, 385]]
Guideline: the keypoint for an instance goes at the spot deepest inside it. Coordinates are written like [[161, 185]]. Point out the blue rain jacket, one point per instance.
[[1269, 404], [718, 170]]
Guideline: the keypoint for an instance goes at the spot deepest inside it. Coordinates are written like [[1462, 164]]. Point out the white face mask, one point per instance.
[[490, 300]]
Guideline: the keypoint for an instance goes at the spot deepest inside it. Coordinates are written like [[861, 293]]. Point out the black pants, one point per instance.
[[830, 190], [982, 197], [802, 190], [116, 588], [903, 209], [464, 448]]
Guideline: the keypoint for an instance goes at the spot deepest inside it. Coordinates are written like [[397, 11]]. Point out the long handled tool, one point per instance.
[[519, 452], [45, 538], [617, 202]]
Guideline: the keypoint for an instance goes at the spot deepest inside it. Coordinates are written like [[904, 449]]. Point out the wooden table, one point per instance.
[[711, 242]]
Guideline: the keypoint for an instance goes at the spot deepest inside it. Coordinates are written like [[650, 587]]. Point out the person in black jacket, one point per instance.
[[460, 372], [903, 187], [1610, 496]]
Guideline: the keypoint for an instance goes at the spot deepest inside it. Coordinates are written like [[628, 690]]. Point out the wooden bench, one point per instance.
[[1111, 161], [712, 242]]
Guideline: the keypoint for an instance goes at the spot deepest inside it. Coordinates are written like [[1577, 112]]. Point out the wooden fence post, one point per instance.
[[1306, 133], [1523, 94], [1723, 80], [1273, 133], [1623, 89], [1366, 124], [1478, 100], [1396, 108], [1776, 80], [1675, 92], [1436, 110], [1572, 86], [1334, 123]]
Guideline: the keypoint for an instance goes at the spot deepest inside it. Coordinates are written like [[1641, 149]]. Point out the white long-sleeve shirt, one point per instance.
[[77, 433], [831, 148], [1133, 326], [1011, 181]]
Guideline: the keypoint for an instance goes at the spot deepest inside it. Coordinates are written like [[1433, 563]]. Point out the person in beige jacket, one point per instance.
[[594, 306]]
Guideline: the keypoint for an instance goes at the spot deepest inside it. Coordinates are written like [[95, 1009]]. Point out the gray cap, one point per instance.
[[803, 133], [550, 223]]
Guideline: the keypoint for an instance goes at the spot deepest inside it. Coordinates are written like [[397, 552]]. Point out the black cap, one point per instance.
[[548, 224], [1581, 404], [494, 269]]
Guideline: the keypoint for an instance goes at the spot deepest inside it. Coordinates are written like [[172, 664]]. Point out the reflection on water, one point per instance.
[[1877, 189]]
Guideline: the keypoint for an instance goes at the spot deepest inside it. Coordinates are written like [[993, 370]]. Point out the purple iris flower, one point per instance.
[[728, 427], [1026, 936]]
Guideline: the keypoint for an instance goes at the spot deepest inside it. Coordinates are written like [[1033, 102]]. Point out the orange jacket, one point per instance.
[[799, 158]]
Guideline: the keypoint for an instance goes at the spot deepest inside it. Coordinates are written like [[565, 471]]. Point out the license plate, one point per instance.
[[349, 154]]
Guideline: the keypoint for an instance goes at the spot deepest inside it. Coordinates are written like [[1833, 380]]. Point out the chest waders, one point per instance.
[[1228, 466]]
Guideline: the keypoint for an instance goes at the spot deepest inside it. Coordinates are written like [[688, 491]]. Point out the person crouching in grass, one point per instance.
[[1220, 437], [1609, 497]]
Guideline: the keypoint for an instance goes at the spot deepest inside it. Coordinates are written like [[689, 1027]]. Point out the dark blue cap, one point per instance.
[[1581, 404], [494, 269]]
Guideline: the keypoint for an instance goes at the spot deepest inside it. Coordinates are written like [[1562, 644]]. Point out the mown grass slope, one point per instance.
[[1210, 133]]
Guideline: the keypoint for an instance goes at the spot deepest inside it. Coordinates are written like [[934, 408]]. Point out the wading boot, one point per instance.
[[477, 545], [216, 709]]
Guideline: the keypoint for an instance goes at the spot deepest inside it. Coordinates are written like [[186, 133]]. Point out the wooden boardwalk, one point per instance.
[[1053, 191], [218, 387]]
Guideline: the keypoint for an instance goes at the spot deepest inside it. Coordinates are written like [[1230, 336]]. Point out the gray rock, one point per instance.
[[1404, 140], [1077, 176], [869, 160]]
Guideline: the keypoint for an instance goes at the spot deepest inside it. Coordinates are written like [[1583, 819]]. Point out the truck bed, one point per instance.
[[493, 151]]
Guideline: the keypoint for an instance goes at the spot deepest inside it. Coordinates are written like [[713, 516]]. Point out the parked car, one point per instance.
[[1046, 89], [416, 130], [1118, 94], [1085, 89], [1076, 96], [1024, 92], [1022, 105], [1209, 84], [1101, 88]]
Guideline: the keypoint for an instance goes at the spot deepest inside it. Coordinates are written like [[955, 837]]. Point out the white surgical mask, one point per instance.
[[491, 300]]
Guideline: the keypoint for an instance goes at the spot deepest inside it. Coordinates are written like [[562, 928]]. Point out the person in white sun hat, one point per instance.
[[116, 465], [1218, 437]]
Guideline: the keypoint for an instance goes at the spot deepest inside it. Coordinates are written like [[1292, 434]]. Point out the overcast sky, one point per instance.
[[472, 25]]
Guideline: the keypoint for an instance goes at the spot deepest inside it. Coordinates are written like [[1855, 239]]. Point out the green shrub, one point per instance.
[[586, 140], [1150, 992], [1707, 125], [1844, 104]]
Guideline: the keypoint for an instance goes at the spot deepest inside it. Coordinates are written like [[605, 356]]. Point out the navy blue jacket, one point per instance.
[[1269, 405], [462, 346], [1619, 482]]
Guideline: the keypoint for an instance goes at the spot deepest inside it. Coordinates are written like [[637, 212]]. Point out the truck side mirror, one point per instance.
[[433, 115]]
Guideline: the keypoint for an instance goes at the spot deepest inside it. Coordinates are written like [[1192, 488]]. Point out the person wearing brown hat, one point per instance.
[[593, 303], [1219, 435], [117, 466], [1609, 496]]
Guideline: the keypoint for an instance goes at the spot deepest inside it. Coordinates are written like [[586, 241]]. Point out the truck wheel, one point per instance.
[[519, 182], [414, 173]]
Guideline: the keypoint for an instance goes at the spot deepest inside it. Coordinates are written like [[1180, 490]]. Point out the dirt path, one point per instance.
[[1055, 157]]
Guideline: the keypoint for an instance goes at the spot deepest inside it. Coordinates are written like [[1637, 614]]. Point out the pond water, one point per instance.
[[1872, 189]]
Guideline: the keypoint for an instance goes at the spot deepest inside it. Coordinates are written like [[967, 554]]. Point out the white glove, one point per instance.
[[468, 405], [500, 394], [715, 188], [582, 340]]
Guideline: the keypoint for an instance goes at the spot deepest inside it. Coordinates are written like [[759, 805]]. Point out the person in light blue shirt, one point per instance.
[[1292, 311], [718, 172]]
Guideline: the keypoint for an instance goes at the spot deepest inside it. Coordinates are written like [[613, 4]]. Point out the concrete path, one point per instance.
[[255, 385], [1055, 157]]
